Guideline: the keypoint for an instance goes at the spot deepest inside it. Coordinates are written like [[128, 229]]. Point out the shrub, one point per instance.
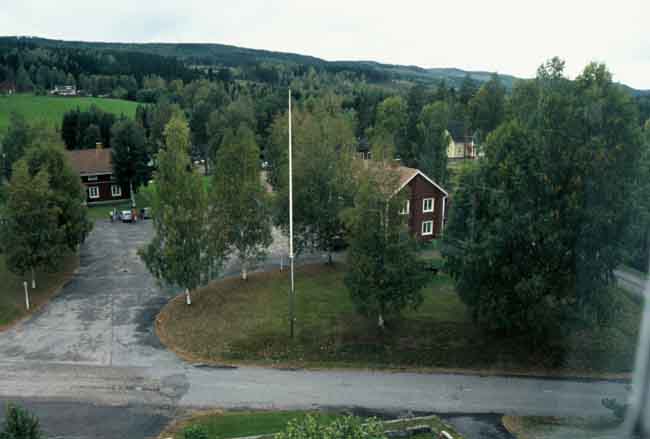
[[195, 431], [343, 428], [20, 424]]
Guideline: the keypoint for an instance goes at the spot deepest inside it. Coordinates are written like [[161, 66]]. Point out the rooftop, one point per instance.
[[91, 161]]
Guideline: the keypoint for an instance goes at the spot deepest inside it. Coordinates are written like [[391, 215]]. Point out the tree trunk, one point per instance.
[[329, 258], [380, 321], [188, 298], [33, 280], [244, 271]]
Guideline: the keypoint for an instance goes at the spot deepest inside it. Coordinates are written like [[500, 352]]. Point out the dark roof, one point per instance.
[[91, 161], [456, 129]]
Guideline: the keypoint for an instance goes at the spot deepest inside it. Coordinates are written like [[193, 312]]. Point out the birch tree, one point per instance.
[[32, 239], [180, 253], [240, 209]]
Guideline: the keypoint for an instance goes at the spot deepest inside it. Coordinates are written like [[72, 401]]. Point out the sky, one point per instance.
[[506, 36]]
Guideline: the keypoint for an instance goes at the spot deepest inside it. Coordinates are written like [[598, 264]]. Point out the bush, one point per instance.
[[20, 424], [344, 428], [195, 431]]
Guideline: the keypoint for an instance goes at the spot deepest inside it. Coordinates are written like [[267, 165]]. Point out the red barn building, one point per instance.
[[95, 168], [426, 203]]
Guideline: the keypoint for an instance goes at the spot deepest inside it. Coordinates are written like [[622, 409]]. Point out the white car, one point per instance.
[[126, 216]]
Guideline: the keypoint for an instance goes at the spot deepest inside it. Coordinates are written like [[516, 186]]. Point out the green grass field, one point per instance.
[[235, 321], [52, 108], [12, 296]]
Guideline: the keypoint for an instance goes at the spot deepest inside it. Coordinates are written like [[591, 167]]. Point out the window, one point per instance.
[[405, 209], [427, 228], [116, 190], [93, 192], [427, 205]]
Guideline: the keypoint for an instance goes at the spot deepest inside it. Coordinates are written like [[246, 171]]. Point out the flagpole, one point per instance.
[[291, 292]]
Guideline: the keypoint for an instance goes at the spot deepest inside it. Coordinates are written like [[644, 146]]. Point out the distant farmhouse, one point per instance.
[[461, 144], [64, 90], [7, 88], [95, 168]]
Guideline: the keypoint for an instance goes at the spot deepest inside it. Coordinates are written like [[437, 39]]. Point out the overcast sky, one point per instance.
[[508, 36]]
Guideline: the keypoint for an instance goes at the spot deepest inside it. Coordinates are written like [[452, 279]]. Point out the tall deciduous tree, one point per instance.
[[487, 107], [388, 135], [14, 143], [66, 191], [180, 252], [537, 230], [32, 237], [432, 153], [323, 140], [384, 275], [130, 156], [240, 209]]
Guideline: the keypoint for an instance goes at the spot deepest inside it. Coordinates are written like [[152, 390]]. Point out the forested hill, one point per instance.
[[163, 56], [220, 55]]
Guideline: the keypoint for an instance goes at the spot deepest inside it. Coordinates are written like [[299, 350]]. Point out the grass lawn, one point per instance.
[[52, 108], [225, 425], [12, 295], [235, 321], [530, 427]]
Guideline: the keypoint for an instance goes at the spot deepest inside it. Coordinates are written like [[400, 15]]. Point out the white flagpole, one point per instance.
[[292, 292]]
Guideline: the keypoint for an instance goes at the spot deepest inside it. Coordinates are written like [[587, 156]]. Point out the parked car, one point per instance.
[[126, 216]]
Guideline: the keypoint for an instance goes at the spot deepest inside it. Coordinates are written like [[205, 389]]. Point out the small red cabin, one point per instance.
[[426, 203], [95, 168]]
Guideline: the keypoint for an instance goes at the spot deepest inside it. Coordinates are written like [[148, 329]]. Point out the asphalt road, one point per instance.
[[94, 346]]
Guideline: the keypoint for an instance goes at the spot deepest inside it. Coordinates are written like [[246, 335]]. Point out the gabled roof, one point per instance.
[[407, 174], [91, 161]]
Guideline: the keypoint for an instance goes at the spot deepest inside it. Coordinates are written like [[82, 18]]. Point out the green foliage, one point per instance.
[[323, 139], [179, 253], [195, 431], [20, 424], [537, 229], [234, 115], [388, 135], [384, 274], [51, 109], [66, 192], [17, 139], [432, 153], [31, 236], [129, 154], [487, 107], [83, 129], [241, 214], [344, 428]]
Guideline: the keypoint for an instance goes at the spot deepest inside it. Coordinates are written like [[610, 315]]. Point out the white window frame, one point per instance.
[[424, 205], [406, 208], [93, 192], [422, 229], [116, 190], [92, 178]]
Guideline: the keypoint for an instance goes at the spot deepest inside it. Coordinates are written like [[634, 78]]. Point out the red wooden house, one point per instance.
[[426, 203], [95, 168]]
